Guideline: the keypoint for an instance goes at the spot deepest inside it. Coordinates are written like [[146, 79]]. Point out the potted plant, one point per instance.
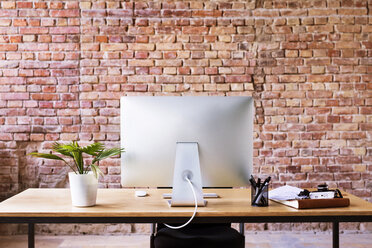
[[83, 178]]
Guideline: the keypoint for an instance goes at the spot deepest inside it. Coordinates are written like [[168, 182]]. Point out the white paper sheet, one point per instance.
[[284, 193]]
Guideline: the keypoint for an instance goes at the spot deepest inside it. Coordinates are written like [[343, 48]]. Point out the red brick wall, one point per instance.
[[65, 64]]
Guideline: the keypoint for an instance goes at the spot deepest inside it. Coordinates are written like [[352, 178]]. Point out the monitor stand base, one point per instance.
[[205, 195], [183, 205]]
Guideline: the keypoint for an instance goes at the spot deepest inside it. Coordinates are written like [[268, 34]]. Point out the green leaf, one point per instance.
[[46, 155], [50, 156], [108, 153], [72, 150], [71, 147], [93, 149], [78, 159], [96, 170], [57, 147]]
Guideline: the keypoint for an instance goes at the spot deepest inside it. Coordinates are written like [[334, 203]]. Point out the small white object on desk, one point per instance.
[[140, 193]]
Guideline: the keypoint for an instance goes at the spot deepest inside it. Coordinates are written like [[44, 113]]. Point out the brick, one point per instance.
[[353, 12], [344, 110], [265, 13], [238, 79], [64, 13], [319, 78], [8, 5], [293, 94], [322, 12], [93, 13], [64, 30], [168, 46], [292, 78], [366, 126], [320, 177], [113, 47], [90, 47], [33, 30], [224, 46], [195, 30], [147, 47], [175, 13], [5, 23], [141, 62], [317, 69], [64, 65], [33, 13], [222, 30], [56, 5], [141, 79], [141, 30], [342, 45], [14, 96], [206, 13], [291, 53], [320, 29], [33, 47], [85, 5], [8, 47], [169, 79], [40, 5], [199, 62], [281, 30], [197, 79], [348, 160], [345, 127]]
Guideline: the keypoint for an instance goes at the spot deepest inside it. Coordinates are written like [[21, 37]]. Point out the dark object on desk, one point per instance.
[[259, 192], [322, 193], [322, 187], [316, 203], [199, 235], [260, 198]]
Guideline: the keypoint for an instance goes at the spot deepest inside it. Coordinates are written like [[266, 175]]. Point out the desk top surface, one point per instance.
[[123, 203]]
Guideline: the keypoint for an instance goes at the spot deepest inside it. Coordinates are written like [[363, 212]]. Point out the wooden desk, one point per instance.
[[121, 206]]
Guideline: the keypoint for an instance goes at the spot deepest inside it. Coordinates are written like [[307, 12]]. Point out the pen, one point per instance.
[[267, 180], [253, 182], [261, 190], [260, 194]]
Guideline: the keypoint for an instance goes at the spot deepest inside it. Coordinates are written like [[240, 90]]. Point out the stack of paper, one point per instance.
[[285, 193]]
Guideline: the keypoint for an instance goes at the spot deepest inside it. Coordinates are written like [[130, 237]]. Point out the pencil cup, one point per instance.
[[260, 197]]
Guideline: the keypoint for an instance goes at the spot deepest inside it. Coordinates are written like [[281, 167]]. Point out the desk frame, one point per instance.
[[31, 221]]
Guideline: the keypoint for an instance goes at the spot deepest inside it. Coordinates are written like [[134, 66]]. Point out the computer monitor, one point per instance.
[[218, 128]]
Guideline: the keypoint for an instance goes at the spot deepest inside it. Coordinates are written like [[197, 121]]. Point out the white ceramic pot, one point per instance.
[[83, 189]]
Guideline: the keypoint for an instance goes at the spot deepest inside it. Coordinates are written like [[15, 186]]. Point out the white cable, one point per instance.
[[196, 208]]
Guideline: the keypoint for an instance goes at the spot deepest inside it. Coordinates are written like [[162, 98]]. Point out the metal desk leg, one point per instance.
[[241, 228], [152, 236], [242, 231], [336, 238], [31, 235]]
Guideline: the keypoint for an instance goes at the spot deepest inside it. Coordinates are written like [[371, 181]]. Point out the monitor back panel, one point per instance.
[[151, 127]]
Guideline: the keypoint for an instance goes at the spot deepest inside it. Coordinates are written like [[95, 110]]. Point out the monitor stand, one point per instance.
[[187, 165]]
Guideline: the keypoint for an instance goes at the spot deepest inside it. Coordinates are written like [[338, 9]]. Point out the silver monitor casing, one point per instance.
[[151, 126], [187, 165]]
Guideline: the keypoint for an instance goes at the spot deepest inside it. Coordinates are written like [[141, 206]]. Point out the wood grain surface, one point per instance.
[[123, 203]]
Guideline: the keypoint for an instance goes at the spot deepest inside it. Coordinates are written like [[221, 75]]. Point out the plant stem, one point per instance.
[[72, 168], [87, 168]]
